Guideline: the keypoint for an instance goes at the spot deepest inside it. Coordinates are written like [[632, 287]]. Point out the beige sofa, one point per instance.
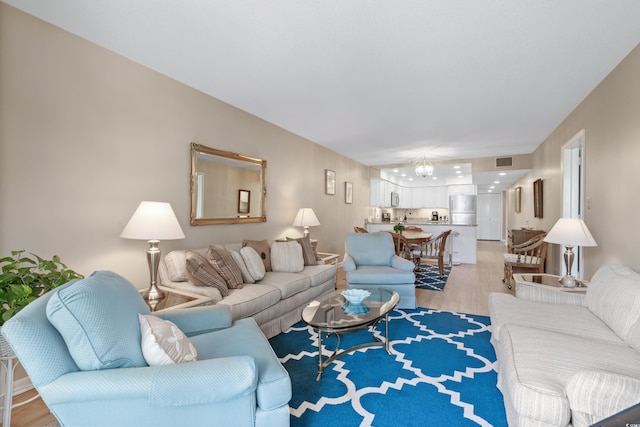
[[570, 362], [275, 302]]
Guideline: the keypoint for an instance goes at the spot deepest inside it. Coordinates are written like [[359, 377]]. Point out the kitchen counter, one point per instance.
[[462, 241]]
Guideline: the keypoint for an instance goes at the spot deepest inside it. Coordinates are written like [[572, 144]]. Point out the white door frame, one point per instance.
[[572, 158]]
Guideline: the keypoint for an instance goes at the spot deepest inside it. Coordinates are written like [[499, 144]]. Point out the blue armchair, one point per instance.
[[370, 261], [93, 322]]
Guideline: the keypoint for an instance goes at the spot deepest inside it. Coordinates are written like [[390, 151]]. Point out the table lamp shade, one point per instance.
[[153, 221], [570, 231], [306, 218]]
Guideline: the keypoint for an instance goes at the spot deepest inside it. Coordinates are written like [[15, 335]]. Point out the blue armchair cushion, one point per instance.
[[371, 248], [98, 320]]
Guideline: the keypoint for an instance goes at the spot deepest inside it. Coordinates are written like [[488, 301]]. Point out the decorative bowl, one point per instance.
[[355, 296], [355, 308]]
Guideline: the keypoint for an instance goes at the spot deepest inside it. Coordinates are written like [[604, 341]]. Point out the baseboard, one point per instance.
[[22, 385]]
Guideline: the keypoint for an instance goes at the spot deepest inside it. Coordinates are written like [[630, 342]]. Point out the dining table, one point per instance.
[[416, 237]]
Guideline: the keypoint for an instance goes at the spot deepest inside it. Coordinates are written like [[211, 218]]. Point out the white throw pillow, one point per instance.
[[247, 277], [163, 343], [287, 257], [253, 262]]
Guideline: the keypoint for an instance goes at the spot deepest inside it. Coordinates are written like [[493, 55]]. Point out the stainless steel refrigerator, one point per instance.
[[462, 209]]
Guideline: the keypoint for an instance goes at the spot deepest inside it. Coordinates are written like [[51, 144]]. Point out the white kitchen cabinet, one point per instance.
[[441, 198]]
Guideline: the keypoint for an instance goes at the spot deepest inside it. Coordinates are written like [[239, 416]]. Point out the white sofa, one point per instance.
[[275, 302], [563, 363]]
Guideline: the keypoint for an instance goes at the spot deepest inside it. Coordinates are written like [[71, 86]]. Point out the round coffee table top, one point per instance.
[[334, 313]]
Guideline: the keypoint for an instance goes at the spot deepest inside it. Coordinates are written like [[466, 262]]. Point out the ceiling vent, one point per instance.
[[503, 162]]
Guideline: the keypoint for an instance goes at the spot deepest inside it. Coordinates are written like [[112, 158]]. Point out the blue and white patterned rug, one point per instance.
[[429, 277], [440, 373]]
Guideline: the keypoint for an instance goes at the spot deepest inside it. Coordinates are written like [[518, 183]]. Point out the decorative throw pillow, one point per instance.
[[308, 252], [175, 262], [163, 343], [202, 273], [226, 267], [246, 275], [253, 262], [287, 257], [263, 249]]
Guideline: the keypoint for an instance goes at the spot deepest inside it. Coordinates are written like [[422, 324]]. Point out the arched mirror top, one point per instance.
[[226, 187]]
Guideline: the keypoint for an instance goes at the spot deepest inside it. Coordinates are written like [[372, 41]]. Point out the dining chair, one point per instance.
[[406, 250], [529, 255], [360, 230], [435, 248]]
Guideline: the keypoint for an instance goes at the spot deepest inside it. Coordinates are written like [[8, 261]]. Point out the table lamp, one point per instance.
[[570, 232], [153, 221], [306, 218]]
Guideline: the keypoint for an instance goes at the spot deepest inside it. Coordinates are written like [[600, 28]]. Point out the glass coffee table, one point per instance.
[[334, 315]]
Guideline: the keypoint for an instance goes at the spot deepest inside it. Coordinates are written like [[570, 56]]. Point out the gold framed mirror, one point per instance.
[[219, 179]]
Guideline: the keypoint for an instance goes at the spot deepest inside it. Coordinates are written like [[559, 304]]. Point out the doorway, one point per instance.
[[489, 216], [573, 192]]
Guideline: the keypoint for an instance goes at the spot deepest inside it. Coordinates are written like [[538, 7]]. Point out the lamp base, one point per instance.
[[568, 281], [153, 294]]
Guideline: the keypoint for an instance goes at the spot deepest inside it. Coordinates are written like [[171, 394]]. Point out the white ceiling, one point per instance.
[[381, 82]]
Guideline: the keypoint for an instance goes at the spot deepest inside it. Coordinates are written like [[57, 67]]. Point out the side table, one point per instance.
[[539, 287], [329, 258], [174, 298]]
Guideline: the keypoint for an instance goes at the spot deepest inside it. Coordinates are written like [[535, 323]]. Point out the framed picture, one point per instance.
[[348, 192], [517, 198], [537, 198], [329, 182], [244, 201]]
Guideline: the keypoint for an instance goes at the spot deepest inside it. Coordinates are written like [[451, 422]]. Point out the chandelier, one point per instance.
[[424, 168]]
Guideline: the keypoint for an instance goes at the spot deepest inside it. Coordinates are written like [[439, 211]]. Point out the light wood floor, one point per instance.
[[466, 292]]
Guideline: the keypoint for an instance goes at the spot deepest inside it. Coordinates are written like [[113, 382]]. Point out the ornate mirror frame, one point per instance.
[[217, 176]]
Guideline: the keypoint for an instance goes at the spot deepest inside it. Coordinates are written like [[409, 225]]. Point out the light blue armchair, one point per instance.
[[370, 261], [237, 379]]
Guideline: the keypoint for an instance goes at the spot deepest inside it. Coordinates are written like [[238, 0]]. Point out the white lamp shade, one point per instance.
[[153, 221], [570, 231], [306, 218]]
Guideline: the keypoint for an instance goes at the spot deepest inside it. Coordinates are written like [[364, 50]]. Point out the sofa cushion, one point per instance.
[[264, 250], [614, 296], [309, 255], [246, 275], [571, 319], [287, 257], [98, 320], [251, 299], [535, 366], [287, 283], [202, 273], [254, 263], [163, 343], [320, 273], [224, 264]]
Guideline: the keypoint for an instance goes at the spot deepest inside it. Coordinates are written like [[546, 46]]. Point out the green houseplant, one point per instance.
[[398, 228], [25, 277]]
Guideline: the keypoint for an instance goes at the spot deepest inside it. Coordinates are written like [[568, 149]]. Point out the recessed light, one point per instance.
[[396, 171], [460, 176], [456, 167], [489, 191], [403, 174], [496, 182], [435, 177], [458, 171], [502, 173]]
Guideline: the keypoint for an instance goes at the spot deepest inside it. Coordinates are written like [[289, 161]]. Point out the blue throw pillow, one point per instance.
[[98, 320]]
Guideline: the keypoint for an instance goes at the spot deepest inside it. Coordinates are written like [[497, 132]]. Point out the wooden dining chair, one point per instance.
[[360, 230], [529, 255], [434, 250], [404, 249], [414, 246]]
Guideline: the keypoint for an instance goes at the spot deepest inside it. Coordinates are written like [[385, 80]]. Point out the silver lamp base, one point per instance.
[[568, 281], [153, 259]]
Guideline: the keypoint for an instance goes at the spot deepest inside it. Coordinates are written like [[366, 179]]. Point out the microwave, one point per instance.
[[395, 199]]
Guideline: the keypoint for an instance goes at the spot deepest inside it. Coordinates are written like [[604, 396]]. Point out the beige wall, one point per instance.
[[85, 135], [610, 117]]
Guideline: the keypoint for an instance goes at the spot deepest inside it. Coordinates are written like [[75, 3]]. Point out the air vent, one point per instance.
[[503, 162]]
